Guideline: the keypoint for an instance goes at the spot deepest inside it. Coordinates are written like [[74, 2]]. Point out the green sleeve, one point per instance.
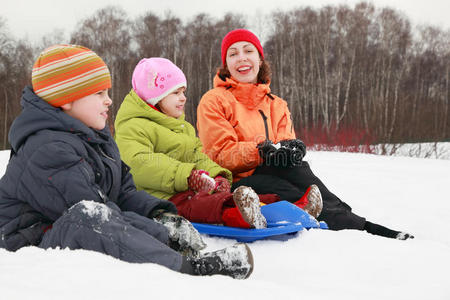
[[203, 162], [150, 170]]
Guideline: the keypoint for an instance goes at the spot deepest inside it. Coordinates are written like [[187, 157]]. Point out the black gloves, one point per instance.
[[297, 150], [266, 150], [285, 154]]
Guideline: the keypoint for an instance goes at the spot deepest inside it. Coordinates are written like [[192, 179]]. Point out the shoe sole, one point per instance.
[[247, 201], [250, 260], [315, 203]]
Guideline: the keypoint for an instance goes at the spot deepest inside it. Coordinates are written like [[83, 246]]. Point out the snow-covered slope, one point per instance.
[[409, 194]]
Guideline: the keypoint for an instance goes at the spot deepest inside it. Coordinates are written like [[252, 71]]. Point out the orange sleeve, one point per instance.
[[220, 141]]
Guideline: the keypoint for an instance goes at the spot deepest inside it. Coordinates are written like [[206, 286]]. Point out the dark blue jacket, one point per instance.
[[57, 162]]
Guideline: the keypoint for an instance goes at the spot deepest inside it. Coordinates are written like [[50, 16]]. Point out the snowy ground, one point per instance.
[[439, 150], [410, 194]]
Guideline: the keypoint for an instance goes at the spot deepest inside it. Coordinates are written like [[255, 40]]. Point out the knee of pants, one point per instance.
[[89, 213], [270, 184]]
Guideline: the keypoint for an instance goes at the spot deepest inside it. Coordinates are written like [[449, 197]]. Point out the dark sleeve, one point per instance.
[[139, 201], [55, 178]]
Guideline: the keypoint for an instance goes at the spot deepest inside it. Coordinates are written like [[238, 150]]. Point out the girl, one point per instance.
[[166, 157], [248, 130]]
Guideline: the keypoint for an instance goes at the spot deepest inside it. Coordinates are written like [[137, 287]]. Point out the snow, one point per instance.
[[206, 177], [94, 209], [407, 194], [439, 150]]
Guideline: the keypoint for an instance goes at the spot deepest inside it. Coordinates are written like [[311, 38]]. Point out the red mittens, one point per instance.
[[223, 185], [199, 181]]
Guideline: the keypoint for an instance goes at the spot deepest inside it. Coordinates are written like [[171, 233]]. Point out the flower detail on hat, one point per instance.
[[153, 76]]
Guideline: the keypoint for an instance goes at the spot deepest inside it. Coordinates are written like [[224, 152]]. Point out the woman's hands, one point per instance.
[[285, 154]]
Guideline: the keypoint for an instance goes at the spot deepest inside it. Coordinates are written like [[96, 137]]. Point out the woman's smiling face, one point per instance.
[[243, 62]]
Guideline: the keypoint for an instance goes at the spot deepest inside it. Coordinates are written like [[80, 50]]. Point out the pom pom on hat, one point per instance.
[[239, 35], [154, 78], [65, 73]]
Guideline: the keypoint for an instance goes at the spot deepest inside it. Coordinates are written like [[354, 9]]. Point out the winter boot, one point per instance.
[[315, 204], [235, 261], [247, 202]]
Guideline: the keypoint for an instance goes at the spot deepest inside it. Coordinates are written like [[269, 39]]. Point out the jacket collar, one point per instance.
[[249, 94], [38, 115], [134, 107]]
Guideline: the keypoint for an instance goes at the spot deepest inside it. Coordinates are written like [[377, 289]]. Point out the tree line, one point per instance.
[[350, 75]]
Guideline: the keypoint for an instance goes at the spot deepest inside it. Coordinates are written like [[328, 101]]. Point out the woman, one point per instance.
[[249, 131]]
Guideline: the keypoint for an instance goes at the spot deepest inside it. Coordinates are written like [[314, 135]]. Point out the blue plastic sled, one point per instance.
[[283, 220]]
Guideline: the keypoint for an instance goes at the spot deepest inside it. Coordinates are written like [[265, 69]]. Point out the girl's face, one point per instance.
[[173, 104], [243, 62], [92, 110]]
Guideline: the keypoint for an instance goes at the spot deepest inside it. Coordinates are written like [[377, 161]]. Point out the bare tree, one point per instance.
[[108, 33]]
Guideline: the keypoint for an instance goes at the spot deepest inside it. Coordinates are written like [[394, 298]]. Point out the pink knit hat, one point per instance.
[[154, 78]]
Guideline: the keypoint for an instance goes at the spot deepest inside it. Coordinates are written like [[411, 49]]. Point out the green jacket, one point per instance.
[[161, 150]]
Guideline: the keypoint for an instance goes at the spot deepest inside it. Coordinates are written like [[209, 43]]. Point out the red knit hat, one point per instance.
[[239, 35]]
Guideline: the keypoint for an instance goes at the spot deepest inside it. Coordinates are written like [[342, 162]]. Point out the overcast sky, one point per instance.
[[32, 19]]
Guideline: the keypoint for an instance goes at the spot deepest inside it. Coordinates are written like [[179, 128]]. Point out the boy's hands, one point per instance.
[[183, 237], [199, 181]]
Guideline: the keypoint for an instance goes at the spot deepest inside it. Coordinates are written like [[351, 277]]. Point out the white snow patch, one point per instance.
[[94, 209], [210, 179], [284, 222]]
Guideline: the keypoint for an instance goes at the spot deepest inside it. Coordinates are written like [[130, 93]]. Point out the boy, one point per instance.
[[66, 186]]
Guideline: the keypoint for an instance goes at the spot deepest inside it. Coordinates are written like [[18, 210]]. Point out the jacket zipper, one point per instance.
[[105, 155], [265, 123]]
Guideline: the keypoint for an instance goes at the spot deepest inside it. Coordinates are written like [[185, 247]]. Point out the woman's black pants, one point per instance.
[[291, 183]]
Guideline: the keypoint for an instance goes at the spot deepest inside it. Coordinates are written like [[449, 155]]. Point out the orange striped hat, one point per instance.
[[66, 73]]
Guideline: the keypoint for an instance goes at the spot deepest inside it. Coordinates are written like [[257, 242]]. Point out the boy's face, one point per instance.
[[92, 110], [173, 104]]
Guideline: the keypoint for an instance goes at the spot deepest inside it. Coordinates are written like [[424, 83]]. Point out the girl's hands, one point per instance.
[[199, 181], [222, 184]]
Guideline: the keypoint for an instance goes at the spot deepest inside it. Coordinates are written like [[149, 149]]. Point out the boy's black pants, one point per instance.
[[106, 229], [291, 183]]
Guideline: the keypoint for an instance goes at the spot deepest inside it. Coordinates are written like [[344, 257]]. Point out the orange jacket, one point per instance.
[[230, 123]]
